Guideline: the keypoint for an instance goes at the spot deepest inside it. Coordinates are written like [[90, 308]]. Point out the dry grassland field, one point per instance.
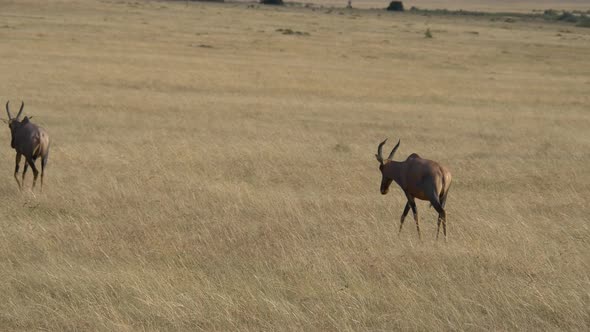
[[520, 6], [210, 172]]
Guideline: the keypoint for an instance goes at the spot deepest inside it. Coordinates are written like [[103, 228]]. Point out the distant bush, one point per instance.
[[272, 2], [428, 34], [550, 13], [396, 6]]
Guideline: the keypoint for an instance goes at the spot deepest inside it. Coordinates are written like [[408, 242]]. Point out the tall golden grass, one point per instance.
[[209, 172]]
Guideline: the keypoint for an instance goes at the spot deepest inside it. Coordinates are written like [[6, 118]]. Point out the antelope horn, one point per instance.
[[21, 110], [379, 154], [8, 110], [394, 149]]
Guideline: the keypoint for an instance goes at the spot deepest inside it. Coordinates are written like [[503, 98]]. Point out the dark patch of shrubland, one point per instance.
[[584, 22], [568, 17], [579, 18], [272, 2], [288, 31]]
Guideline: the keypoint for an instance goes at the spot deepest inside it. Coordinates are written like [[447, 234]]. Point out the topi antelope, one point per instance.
[[29, 141], [419, 178]]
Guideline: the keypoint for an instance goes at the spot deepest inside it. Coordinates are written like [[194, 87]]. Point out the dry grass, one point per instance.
[[479, 5], [208, 172]]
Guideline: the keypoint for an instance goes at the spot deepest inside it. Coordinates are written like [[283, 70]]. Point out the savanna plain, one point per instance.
[[212, 168]]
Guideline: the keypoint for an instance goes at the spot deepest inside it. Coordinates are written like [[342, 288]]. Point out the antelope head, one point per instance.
[[386, 177], [15, 123]]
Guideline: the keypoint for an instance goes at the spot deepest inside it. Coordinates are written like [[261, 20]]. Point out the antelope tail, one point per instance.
[[443, 196]]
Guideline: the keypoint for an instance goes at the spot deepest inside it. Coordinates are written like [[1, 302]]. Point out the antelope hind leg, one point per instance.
[[35, 171]]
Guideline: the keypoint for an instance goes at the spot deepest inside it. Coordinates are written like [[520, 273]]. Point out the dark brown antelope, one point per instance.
[[29, 141], [419, 178]]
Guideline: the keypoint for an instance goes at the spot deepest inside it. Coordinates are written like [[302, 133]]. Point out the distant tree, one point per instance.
[[396, 6]]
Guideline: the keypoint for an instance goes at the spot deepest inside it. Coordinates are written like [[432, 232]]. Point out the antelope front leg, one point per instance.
[[415, 212], [18, 157], [24, 172], [401, 222]]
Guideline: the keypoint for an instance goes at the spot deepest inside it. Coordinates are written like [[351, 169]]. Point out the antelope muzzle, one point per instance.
[[385, 186]]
